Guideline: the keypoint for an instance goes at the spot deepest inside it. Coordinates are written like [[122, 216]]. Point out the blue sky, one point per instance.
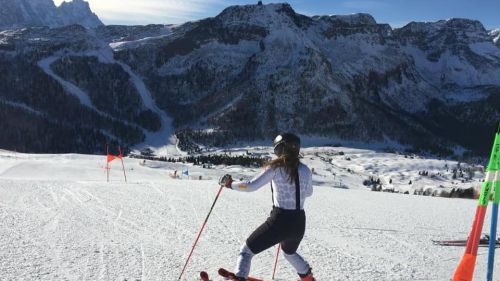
[[394, 12]]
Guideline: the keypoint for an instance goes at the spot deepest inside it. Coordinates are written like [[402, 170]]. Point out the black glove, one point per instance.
[[226, 180]]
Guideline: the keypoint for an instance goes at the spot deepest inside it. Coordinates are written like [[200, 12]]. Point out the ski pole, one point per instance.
[[199, 233], [276, 261]]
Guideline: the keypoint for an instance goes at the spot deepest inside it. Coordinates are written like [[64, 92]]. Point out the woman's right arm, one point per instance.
[[257, 182]]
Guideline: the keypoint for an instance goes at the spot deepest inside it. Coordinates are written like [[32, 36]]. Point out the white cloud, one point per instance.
[[149, 11]]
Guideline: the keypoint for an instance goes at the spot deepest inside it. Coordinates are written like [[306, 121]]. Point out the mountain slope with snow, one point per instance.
[[249, 72], [338, 76]]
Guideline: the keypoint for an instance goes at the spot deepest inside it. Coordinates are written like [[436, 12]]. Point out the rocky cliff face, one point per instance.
[[254, 70], [343, 76], [22, 13]]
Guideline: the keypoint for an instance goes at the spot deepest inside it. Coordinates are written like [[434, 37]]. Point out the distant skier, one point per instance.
[[291, 183]]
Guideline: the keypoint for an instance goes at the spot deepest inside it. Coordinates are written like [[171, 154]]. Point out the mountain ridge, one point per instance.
[[252, 71]]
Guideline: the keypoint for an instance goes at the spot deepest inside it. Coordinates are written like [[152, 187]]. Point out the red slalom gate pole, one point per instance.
[[201, 230], [276, 261], [107, 162], [123, 165]]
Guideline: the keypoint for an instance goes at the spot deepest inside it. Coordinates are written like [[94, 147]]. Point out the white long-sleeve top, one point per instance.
[[283, 189]]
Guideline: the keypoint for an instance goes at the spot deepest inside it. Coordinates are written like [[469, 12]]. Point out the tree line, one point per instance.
[[208, 160]]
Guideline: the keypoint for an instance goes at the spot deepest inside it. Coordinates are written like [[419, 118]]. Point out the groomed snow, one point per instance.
[[61, 220]]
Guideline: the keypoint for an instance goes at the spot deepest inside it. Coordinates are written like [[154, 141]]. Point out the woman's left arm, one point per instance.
[[309, 187]]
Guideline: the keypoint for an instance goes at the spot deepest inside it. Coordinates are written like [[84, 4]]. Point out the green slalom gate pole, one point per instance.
[[493, 171], [465, 268]]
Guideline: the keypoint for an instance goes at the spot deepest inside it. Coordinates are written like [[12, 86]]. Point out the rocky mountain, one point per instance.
[[251, 71], [21, 13]]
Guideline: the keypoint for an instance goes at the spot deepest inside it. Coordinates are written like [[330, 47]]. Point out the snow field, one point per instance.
[[61, 220]]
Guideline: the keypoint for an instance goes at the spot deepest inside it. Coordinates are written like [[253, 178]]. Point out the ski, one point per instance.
[[228, 274], [450, 242], [482, 242], [482, 239], [204, 276], [461, 244]]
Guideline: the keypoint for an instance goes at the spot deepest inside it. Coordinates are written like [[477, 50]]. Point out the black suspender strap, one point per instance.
[[272, 193], [297, 190]]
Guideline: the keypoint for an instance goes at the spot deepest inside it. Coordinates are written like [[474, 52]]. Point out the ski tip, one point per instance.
[[222, 271], [204, 276]]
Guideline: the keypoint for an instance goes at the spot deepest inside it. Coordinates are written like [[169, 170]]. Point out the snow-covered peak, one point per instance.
[[22, 13], [17, 13], [251, 11], [352, 19], [263, 15], [455, 28], [421, 27], [495, 35], [78, 12], [464, 24]]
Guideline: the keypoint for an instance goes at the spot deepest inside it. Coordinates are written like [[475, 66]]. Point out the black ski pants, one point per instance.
[[283, 226]]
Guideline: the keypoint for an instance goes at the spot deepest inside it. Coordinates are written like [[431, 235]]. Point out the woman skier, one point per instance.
[[291, 183]]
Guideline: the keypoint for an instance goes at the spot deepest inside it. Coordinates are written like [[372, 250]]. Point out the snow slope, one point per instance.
[[61, 220]]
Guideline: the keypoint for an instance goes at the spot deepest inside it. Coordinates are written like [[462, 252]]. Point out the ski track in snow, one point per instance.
[[163, 142], [45, 65], [61, 220], [22, 106], [70, 87]]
